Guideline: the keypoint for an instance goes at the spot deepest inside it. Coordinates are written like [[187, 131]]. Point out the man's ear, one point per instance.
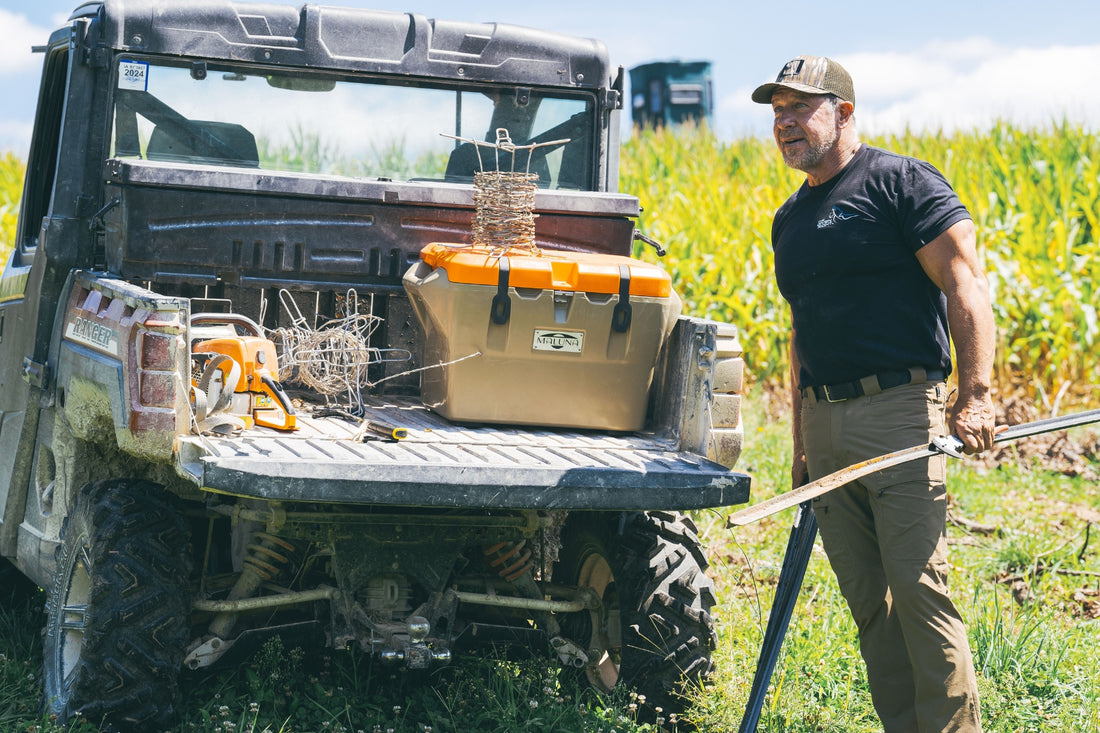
[[844, 111]]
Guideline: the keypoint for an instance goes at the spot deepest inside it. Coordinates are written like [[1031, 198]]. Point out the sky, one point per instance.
[[924, 65]]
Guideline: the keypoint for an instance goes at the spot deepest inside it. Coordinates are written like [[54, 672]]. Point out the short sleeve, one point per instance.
[[928, 206]]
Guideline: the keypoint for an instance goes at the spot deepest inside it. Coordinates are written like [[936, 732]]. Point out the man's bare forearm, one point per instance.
[[798, 463], [951, 261]]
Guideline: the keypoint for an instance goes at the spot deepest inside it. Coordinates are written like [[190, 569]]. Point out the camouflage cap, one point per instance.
[[812, 75]]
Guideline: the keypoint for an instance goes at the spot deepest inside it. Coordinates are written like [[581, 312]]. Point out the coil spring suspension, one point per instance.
[[267, 555], [511, 560]]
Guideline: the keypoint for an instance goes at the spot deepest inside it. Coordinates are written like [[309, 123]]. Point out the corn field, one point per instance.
[[11, 188], [1034, 196]]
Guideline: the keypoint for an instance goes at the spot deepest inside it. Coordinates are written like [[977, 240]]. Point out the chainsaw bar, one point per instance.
[[948, 444]]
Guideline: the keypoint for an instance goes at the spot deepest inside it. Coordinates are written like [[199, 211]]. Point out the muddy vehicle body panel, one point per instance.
[[218, 176]]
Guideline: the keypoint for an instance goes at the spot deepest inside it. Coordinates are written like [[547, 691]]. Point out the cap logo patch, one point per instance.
[[792, 69]]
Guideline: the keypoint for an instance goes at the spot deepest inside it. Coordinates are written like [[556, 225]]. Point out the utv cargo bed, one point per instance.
[[441, 464]]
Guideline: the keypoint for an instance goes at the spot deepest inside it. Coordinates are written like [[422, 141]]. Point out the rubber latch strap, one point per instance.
[[502, 304], [620, 317]]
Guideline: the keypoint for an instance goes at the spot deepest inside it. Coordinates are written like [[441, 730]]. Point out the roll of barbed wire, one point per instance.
[[335, 360], [504, 206]]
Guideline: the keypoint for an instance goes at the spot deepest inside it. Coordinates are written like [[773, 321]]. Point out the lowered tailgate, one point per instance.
[[441, 464]]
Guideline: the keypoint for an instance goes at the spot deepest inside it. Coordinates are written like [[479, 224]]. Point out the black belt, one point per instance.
[[873, 384]]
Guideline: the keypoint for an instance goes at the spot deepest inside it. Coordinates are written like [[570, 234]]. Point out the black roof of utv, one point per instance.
[[325, 37]]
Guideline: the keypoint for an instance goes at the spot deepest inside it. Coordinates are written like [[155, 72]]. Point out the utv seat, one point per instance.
[[211, 143]]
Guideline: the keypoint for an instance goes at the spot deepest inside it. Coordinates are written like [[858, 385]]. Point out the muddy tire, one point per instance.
[[117, 611], [654, 633]]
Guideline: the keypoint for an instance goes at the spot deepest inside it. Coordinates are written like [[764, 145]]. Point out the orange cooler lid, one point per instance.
[[548, 270]]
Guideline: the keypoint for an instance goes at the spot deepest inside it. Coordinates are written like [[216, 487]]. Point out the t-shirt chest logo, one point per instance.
[[836, 216]]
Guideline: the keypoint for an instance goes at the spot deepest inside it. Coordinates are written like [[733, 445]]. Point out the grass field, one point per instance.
[[1026, 576], [1025, 558]]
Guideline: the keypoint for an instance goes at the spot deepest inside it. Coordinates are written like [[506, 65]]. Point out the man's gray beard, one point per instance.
[[813, 155]]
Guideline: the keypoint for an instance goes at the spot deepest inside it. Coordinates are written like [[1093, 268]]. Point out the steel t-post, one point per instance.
[[799, 547]]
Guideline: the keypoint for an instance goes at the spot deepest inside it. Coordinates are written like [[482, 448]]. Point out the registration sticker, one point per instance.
[[133, 75], [569, 342]]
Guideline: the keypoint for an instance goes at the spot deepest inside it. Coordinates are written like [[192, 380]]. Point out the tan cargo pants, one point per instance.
[[885, 539]]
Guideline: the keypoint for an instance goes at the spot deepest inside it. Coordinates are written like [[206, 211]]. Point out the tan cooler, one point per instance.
[[554, 338]]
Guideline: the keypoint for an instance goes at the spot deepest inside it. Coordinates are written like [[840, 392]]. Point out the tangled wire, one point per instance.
[[335, 358]]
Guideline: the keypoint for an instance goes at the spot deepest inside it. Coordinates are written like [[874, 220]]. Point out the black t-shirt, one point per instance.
[[845, 261]]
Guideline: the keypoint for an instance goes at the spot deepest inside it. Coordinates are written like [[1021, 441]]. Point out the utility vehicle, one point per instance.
[[209, 186]]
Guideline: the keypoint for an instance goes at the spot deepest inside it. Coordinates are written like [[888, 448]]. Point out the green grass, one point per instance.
[[1037, 665], [280, 690], [20, 649], [1036, 661]]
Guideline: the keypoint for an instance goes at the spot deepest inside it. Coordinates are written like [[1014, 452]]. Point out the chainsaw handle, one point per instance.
[[278, 393], [231, 319]]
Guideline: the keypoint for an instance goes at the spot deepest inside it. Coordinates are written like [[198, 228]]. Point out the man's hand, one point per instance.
[[973, 422]]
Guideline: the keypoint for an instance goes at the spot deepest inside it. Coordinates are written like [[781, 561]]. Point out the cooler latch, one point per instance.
[[620, 317], [502, 304]]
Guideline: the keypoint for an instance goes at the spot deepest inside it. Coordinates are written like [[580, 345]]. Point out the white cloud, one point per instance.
[[890, 76], [19, 35], [15, 136], [968, 84], [977, 84], [736, 115]]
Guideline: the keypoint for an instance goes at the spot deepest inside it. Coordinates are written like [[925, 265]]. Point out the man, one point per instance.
[[876, 256]]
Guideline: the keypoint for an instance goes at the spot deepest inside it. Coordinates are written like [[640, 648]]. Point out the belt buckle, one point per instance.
[[829, 397]]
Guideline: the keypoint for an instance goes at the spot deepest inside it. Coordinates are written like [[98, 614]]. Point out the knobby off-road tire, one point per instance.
[[117, 611], [655, 623]]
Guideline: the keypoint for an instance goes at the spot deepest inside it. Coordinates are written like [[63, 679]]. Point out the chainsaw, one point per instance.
[[237, 386]]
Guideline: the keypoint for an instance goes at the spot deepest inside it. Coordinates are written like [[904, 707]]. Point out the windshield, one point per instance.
[[384, 128]]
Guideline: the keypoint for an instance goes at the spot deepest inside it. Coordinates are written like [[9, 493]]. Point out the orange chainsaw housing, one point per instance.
[[268, 404]]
